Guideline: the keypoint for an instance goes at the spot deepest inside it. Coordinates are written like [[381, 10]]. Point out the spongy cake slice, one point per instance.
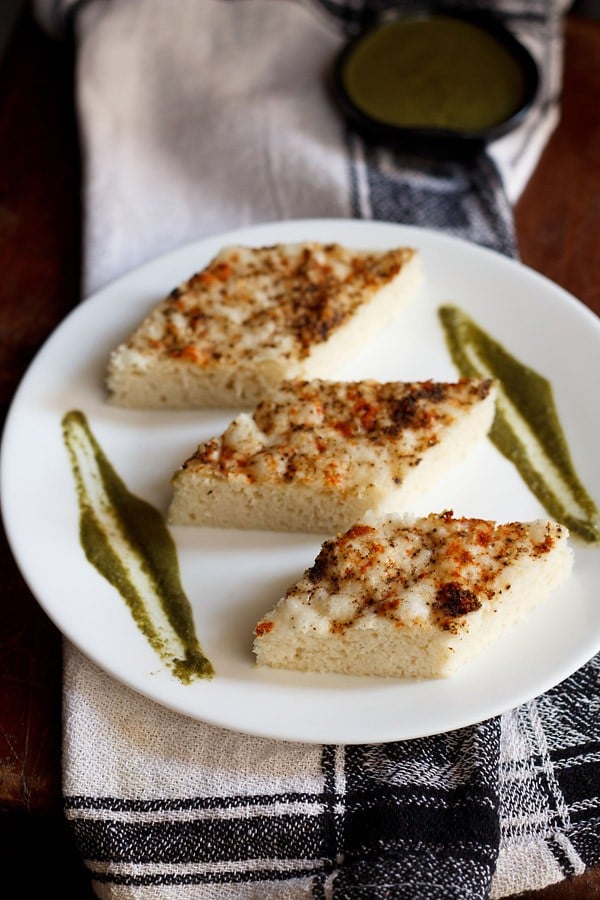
[[412, 598], [255, 316], [315, 455]]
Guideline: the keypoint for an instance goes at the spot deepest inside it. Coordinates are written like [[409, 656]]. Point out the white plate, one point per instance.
[[231, 577]]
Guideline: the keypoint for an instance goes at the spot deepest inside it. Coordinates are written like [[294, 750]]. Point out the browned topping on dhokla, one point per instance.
[[456, 563], [316, 455], [326, 432], [260, 297]]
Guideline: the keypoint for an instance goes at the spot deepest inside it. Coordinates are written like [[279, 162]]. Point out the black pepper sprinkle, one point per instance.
[[452, 601]]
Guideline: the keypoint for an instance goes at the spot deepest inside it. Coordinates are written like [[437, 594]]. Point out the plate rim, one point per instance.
[[172, 257]]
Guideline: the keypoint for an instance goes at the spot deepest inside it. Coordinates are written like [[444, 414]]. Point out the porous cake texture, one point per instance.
[[412, 597]]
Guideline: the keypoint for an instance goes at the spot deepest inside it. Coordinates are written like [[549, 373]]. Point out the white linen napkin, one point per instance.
[[198, 116]]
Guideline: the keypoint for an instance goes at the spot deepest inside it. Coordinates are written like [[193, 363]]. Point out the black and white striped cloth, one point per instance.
[[202, 115], [164, 807]]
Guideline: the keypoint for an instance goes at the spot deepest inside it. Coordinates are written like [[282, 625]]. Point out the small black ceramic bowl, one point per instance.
[[436, 80]]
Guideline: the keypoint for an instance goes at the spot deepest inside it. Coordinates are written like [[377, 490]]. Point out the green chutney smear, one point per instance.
[[436, 72], [127, 541], [526, 427]]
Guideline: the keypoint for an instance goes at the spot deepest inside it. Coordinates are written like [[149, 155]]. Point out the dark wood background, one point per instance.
[[558, 225]]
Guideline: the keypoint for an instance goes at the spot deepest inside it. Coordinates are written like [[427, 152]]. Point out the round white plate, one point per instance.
[[232, 578]]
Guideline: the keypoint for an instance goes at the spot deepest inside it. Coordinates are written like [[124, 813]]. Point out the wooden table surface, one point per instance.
[[558, 224]]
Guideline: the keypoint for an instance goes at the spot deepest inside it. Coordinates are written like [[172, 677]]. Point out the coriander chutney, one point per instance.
[[526, 427], [434, 72], [127, 541]]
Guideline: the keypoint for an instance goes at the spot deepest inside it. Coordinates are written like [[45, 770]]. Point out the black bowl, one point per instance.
[[435, 140]]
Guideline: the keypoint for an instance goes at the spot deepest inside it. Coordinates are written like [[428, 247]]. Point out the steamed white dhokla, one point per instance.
[[256, 316], [412, 597]]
